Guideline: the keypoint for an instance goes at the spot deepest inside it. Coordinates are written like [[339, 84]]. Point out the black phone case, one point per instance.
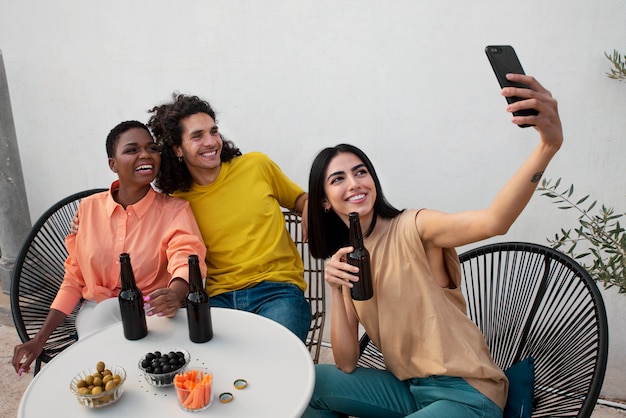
[[503, 60]]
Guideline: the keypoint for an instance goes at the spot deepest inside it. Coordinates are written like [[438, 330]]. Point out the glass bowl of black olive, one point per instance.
[[159, 367]]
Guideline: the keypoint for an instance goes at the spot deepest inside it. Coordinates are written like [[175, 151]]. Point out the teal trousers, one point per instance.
[[372, 393]]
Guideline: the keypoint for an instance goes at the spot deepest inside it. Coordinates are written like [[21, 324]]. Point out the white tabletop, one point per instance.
[[275, 363]]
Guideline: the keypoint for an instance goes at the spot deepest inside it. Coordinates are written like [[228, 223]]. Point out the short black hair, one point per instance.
[[114, 136]]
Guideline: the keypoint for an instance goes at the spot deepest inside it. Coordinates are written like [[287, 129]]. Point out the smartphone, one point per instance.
[[503, 60]]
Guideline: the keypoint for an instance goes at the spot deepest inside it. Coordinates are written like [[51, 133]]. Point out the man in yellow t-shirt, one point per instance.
[[252, 262]]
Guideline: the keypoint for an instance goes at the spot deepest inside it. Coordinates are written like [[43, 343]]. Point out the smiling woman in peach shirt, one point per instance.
[[157, 230]]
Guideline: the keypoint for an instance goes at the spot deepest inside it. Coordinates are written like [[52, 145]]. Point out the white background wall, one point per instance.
[[407, 81]]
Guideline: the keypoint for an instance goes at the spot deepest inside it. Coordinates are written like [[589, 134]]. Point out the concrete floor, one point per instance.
[[13, 387]]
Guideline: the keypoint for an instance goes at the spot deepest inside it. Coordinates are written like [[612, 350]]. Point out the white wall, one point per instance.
[[407, 81]]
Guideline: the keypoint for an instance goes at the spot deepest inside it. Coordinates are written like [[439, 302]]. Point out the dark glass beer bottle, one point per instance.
[[198, 305], [360, 257], [131, 302]]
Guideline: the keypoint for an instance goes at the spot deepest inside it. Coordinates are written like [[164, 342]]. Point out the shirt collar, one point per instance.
[[140, 207]]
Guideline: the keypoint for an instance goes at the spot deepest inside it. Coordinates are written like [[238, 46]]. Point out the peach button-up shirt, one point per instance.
[[159, 232]]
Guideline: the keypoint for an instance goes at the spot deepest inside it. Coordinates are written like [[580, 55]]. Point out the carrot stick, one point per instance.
[[200, 396], [189, 401], [195, 400], [201, 401], [181, 397]]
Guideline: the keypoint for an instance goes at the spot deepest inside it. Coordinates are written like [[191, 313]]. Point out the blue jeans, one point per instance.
[[372, 393], [282, 302]]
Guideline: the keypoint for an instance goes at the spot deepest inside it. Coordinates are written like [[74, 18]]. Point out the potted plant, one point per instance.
[[598, 243]]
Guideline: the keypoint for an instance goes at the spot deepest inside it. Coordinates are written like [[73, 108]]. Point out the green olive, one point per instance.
[[100, 366]]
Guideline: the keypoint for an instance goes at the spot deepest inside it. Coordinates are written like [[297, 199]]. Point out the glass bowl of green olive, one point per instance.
[[100, 386]]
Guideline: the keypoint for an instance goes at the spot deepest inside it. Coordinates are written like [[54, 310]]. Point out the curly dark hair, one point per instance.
[[114, 135], [167, 129]]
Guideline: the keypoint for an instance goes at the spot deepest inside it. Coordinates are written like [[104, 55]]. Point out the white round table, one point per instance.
[[275, 363]]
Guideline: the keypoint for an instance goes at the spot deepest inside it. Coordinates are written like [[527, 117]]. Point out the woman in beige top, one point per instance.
[[438, 364]]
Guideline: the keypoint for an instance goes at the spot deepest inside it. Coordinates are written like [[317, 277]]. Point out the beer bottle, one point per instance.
[[198, 305], [360, 257], [131, 302]]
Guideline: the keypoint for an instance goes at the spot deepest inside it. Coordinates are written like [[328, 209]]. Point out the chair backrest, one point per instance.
[[316, 290], [532, 300], [38, 274]]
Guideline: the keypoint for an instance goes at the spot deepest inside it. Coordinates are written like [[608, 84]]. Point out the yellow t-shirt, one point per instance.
[[421, 328], [241, 221]]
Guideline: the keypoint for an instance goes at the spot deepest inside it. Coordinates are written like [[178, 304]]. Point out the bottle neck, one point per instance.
[[127, 277], [195, 278], [356, 236]]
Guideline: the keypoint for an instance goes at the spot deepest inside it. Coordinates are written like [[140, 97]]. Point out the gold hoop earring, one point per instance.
[[180, 160]]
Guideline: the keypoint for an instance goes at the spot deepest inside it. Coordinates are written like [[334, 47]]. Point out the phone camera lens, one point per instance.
[[495, 50]]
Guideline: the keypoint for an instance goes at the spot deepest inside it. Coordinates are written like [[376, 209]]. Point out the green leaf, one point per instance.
[[592, 205], [582, 200]]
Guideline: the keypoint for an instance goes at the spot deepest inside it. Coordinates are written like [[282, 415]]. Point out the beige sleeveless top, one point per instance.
[[421, 328]]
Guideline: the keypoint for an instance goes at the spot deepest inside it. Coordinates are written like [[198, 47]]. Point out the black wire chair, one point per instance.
[[316, 290], [38, 274], [532, 300]]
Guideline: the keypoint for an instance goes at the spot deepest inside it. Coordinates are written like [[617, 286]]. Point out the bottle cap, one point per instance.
[[240, 384], [226, 397]]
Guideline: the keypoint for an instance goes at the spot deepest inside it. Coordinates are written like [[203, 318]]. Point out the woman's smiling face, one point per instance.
[[137, 158], [349, 187]]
